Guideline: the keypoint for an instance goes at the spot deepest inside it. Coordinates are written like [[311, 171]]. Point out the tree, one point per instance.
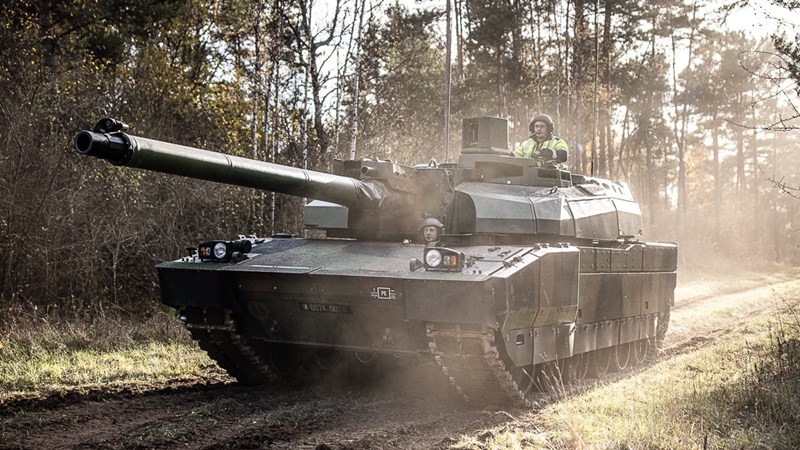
[[74, 236], [400, 96], [308, 48]]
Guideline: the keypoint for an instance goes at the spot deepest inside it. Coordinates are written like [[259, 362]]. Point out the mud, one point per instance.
[[411, 406]]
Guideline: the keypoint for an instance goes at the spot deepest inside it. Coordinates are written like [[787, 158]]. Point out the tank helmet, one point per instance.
[[431, 222], [542, 118]]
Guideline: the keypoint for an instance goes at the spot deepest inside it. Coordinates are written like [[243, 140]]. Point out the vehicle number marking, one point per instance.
[[325, 308]]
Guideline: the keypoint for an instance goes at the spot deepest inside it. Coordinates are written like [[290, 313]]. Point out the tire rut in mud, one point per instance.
[[201, 418]]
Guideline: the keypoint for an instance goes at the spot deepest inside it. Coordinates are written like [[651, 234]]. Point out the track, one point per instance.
[[468, 356], [216, 333], [472, 362], [470, 359]]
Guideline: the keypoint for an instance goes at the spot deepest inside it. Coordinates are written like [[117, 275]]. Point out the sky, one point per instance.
[[762, 18]]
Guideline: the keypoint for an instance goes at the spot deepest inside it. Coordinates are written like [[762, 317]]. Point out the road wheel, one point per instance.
[[578, 367], [663, 325], [600, 360], [622, 354], [640, 350]]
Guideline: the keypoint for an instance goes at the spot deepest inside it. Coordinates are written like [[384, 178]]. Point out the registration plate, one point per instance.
[[325, 308]]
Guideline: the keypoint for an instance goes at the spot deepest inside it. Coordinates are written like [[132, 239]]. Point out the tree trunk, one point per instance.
[[319, 126], [357, 84], [563, 81], [650, 185], [739, 161], [459, 40], [578, 63], [447, 68], [758, 210], [46, 37], [681, 118], [717, 181], [774, 203], [606, 141], [305, 37]]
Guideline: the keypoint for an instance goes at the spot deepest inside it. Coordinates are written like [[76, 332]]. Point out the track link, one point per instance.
[[215, 332], [469, 357]]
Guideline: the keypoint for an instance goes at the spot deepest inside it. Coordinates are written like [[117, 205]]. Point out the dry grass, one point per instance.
[[47, 356]]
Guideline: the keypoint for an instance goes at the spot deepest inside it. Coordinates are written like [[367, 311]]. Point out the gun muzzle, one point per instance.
[[115, 148]]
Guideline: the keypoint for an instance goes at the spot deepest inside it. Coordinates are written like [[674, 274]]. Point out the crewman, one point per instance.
[[431, 231], [542, 144]]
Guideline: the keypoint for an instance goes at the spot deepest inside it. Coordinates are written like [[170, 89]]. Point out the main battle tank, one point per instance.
[[538, 270]]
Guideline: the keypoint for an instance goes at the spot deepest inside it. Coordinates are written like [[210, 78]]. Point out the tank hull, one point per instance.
[[524, 306]]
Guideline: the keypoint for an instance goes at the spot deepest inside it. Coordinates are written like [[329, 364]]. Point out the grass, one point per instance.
[[742, 391], [45, 357]]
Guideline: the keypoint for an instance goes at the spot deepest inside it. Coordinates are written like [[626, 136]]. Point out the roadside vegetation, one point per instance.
[[43, 358], [741, 391]]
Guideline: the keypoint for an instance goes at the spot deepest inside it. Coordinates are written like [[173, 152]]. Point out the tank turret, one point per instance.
[[496, 195]]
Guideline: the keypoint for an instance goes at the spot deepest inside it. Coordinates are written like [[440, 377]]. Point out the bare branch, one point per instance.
[[784, 87], [293, 27], [332, 28], [783, 187]]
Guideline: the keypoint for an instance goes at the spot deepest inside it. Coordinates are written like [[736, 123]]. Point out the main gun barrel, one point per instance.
[[123, 149]]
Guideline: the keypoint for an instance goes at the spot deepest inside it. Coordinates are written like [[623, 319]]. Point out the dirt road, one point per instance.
[[413, 408]]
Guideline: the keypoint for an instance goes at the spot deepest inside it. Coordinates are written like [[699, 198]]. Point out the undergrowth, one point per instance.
[[769, 391], [98, 330], [52, 355]]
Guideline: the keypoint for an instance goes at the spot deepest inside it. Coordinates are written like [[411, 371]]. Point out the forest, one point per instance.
[[696, 113]]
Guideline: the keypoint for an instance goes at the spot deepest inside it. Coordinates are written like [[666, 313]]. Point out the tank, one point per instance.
[[536, 272]]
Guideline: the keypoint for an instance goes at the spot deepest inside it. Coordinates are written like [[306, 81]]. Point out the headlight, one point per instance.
[[444, 259], [223, 251], [220, 250], [433, 258]]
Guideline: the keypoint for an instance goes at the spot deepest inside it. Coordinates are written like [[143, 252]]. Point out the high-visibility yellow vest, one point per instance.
[[527, 148]]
